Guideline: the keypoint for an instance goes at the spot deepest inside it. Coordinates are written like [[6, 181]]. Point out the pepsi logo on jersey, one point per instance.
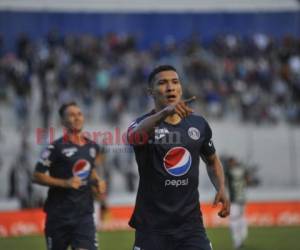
[[177, 161], [82, 169]]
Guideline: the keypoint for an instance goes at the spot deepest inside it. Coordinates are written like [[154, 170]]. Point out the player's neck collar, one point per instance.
[[173, 119]]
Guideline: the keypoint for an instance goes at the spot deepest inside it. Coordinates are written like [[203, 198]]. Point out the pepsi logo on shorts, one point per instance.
[[177, 161], [82, 169]]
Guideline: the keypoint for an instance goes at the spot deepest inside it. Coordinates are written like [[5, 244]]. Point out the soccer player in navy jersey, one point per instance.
[[168, 142], [67, 166]]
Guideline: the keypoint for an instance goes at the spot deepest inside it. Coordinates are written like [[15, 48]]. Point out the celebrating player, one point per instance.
[[70, 162], [167, 143]]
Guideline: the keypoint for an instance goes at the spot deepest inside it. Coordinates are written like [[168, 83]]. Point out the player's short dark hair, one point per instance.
[[63, 108], [157, 70]]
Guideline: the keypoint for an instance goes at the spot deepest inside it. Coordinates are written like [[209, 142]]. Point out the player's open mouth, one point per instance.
[[171, 98]]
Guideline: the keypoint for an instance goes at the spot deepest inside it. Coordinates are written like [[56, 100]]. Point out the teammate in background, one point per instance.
[[70, 162], [237, 178], [167, 143]]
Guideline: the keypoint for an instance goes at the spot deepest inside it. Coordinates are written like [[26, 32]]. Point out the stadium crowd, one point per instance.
[[256, 79]]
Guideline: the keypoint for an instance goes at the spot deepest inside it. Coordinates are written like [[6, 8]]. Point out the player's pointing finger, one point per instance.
[[189, 100]]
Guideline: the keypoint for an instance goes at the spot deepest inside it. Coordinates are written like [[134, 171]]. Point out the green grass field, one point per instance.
[[264, 238]]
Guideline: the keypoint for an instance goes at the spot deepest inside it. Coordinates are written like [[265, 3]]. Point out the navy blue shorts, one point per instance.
[[79, 233], [195, 240]]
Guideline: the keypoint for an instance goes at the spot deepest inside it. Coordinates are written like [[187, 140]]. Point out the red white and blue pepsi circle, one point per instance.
[[82, 169], [177, 161]]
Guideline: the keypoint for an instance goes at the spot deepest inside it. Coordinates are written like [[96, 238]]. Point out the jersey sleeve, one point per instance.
[[136, 139], [139, 139], [207, 147], [131, 137], [47, 158], [132, 126]]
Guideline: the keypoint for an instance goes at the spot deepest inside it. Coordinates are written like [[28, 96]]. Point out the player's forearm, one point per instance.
[[99, 187], [47, 180], [216, 173], [95, 177], [146, 126]]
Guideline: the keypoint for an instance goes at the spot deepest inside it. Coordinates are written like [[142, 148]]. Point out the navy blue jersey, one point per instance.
[[168, 164], [65, 160]]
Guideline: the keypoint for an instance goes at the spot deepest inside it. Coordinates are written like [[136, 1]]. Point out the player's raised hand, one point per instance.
[[221, 197], [74, 182], [181, 108]]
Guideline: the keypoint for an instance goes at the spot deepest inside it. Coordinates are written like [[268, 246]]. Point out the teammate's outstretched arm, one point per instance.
[[216, 175]]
